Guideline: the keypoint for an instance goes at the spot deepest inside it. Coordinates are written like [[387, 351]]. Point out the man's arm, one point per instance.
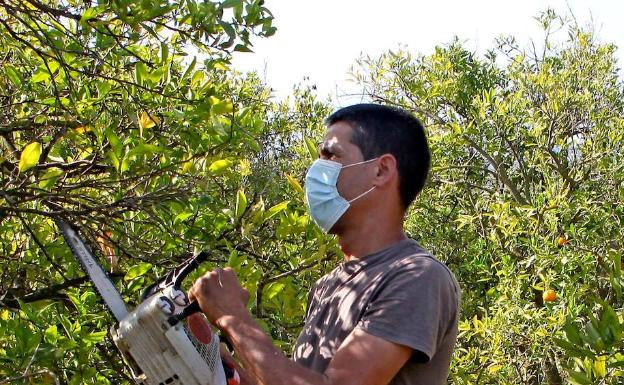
[[245, 377], [362, 359]]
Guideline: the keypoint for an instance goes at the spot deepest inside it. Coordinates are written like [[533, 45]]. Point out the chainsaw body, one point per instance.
[[155, 339], [159, 353]]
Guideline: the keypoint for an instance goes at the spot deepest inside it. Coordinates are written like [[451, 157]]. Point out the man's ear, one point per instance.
[[386, 170]]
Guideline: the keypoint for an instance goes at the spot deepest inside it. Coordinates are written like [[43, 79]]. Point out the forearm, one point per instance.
[[262, 359], [245, 377]]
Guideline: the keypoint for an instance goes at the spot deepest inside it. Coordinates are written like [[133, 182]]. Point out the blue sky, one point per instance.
[[321, 39]]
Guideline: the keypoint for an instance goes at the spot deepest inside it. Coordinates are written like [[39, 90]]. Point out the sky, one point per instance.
[[321, 39]]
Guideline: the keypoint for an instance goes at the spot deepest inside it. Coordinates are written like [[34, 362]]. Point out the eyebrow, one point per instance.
[[329, 147]]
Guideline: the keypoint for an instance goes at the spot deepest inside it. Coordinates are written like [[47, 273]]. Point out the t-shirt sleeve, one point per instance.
[[415, 307]]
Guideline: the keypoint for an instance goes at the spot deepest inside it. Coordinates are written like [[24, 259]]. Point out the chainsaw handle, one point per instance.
[[189, 265], [177, 275], [187, 311]]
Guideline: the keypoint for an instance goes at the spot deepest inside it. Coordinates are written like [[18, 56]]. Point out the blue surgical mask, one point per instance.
[[324, 202]]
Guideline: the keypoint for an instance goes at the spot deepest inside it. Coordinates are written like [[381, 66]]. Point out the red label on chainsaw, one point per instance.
[[200, 328]]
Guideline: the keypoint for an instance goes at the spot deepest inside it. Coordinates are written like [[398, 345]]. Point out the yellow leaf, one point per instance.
[[4, 315], [294, 183], [220, 107], [600, 366], [219, 166], [492, 369], [187, 166], [30, 156], [148, 121], [241, 203], [82, 129], [220, 66]]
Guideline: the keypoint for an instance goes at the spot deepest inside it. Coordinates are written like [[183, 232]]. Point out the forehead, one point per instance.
[[338, 133]]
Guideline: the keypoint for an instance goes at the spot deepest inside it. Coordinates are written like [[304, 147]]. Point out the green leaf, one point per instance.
[[90, 13], [189, 69], [242, 48], [616, 258], [610, 323], [183, 216], [270, 31], [578, 378], [164, 52], [40, 75], [234, 260], [138, 270], [94, 337], [49, 177], [572, 350], [30, 156], [572, 333], [312, 148], [136, 284], [229, 30], [274, 289], [13, 75], [219, 166], [114, 141], [53, 66], [241, 203], [140, 72], [231, 3], [144, 149], [276, 209], [51, 334], [593, 335], [103, 88]]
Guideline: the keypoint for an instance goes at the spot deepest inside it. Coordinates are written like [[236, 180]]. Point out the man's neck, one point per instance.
[[369, 239]]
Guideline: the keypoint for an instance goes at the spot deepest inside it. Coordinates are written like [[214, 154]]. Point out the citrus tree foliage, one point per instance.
[[525, 196], [124, 118]]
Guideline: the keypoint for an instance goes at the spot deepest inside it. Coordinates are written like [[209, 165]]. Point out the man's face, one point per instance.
[[337, 147]]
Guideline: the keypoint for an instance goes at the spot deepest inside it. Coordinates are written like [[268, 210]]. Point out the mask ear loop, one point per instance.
[[362, 162], [362, 194], [367, 191]]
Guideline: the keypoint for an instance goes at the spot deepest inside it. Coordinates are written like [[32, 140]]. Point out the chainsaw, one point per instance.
[[165, 340]]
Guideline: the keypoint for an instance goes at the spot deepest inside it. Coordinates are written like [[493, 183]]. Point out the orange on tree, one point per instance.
[[549, 295], [561, 241]]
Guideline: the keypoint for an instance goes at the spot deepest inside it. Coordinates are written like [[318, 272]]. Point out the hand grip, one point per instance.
[[189, 265], [190, 309]]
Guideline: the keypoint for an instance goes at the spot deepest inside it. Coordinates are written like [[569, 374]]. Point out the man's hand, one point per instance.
[[220, 296]]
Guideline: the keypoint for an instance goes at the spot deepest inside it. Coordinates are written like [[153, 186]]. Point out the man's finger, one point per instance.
[[225, 353], [219, 277], [191, 293]]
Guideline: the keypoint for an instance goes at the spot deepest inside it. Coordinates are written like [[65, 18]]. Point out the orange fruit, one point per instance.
[[549, 295], [561, 241]]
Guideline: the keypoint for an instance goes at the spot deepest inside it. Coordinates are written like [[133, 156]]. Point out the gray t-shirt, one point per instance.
[[401, 294]]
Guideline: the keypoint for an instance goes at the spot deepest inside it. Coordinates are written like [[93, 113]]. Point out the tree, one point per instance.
[[525, 195], [125, 118], [153, 153]]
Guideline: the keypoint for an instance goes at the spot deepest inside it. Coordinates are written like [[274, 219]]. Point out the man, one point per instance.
[[386, 315]]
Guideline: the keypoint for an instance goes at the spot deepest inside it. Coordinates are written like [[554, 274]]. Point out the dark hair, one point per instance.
[[379, 130]]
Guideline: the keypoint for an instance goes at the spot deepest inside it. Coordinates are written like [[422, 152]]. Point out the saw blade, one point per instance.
[[103, 285]]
